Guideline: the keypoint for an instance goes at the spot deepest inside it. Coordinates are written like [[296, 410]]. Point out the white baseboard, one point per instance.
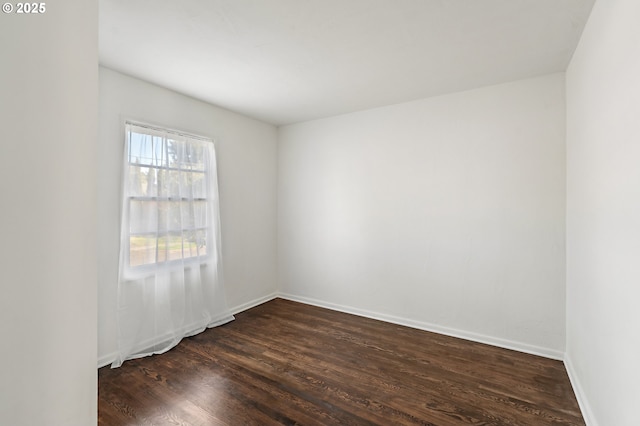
[[107, 359], [252, 303], [461, 334], [475, 337], [587, 413]]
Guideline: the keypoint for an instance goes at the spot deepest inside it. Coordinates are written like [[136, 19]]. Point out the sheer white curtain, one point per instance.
[[170, 275]]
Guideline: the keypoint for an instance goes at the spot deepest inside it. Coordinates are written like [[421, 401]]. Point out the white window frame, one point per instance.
[[191, 261]]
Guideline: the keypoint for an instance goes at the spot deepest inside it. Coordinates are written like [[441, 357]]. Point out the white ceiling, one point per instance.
[[286, 61]]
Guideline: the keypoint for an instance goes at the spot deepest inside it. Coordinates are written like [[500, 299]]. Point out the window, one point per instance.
[[170, 275], [167, 217]]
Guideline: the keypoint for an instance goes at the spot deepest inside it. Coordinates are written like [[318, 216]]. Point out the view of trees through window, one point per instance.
[[167, 197]]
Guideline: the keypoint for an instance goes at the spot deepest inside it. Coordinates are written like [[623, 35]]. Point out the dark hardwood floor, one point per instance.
[[289, 363]]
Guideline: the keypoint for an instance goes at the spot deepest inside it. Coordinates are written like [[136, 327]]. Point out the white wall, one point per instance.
[[445, 213], [48, 132], [247, 160], [603, 215]]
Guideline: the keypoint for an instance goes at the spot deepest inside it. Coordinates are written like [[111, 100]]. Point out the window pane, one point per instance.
[[160, 152], [143, 217], [163, 183], [195, 156], [173, 152], [141, 181], [140, 148], [162, 248], [199, 185], [201, 239], [195, 243], [200, 214], [186, 212], [169, 248], [169, 217], [142, 250]]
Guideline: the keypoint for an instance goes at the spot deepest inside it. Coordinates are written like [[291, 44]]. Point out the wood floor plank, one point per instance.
[[288, 363]]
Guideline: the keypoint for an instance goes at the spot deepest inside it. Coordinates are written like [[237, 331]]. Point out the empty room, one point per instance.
[[317, 212]]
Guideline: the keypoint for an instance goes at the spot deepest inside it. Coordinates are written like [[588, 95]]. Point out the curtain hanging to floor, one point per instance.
[[170, 274]]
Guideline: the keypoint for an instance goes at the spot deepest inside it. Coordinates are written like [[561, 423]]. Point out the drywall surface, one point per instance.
[[445, 213], [603, 215], [246, 154], [48, 129]]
